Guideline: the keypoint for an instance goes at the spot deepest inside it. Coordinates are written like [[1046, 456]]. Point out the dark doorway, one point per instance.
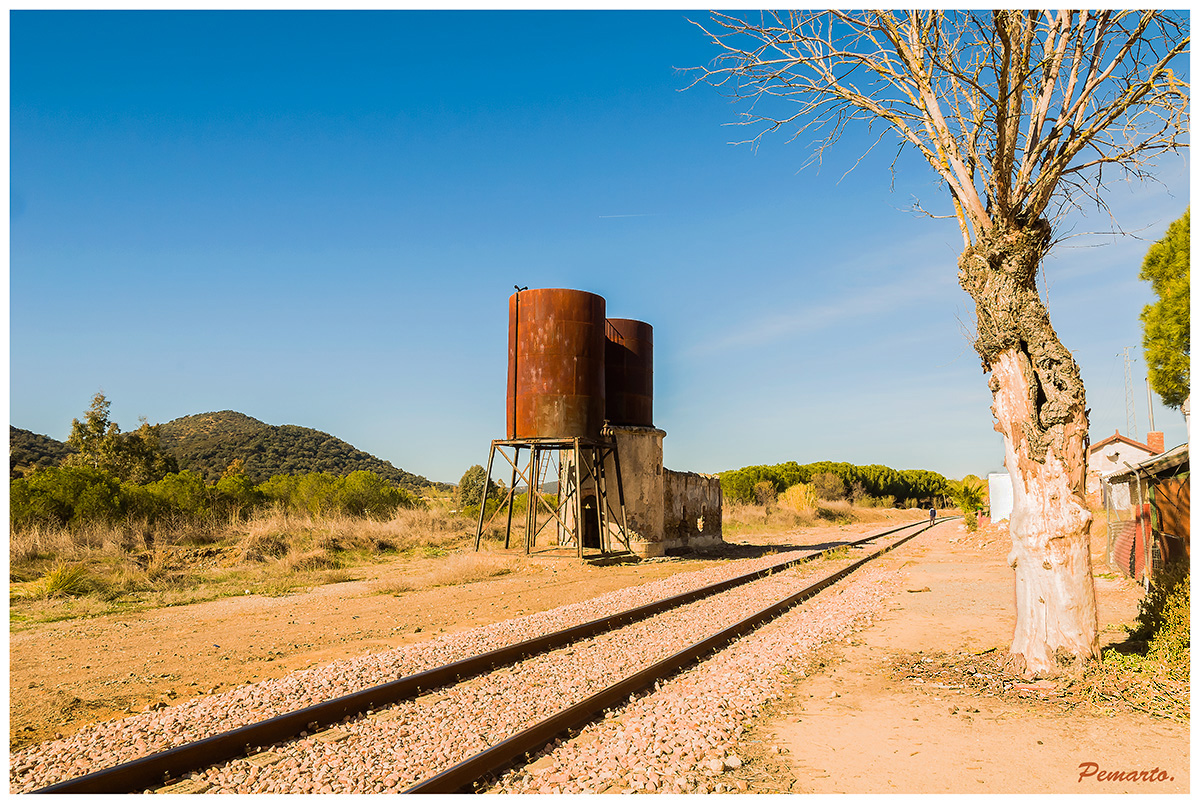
[[591, 528]]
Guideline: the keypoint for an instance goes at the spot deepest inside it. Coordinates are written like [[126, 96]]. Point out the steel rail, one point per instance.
[[153, 770], [461, 777]]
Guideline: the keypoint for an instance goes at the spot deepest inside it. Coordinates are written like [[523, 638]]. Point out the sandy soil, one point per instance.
[[855, 726]]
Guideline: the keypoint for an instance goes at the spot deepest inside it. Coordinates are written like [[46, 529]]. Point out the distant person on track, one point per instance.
[[932, 516]]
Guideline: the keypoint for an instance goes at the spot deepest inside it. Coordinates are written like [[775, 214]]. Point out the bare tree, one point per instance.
[[1019, 113]]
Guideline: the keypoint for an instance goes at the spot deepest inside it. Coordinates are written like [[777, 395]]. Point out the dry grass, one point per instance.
[[60, 573], [839, 511], [739, 518], [1119, 682], [453, 570]]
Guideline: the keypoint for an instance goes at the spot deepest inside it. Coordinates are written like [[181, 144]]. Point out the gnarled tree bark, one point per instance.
[[1038, 402]]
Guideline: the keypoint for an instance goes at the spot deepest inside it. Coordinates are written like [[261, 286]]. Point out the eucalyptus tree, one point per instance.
[[98, 443], [1022, 115]]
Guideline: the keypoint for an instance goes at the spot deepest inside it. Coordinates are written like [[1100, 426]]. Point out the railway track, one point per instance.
[[591, 667]]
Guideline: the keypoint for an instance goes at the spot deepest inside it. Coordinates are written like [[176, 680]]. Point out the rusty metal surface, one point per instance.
[[555, 364], [629, 372]]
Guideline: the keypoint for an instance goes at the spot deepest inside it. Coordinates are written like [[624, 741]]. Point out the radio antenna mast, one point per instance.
[[1130, 413]]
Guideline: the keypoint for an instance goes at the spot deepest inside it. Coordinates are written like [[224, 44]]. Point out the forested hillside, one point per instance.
[[28, 451], [208, 442]]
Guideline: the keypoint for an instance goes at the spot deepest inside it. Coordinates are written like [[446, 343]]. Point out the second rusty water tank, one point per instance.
[[629, 372], [555, 364]]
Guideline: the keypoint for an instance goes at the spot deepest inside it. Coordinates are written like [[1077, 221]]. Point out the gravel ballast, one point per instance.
[[400, 745], [683, 737]]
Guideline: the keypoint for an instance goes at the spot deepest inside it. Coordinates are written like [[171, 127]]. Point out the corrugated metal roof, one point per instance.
[[1159, 464]]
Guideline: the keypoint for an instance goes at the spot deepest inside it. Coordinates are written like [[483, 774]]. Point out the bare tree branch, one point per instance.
[[1002, 105]]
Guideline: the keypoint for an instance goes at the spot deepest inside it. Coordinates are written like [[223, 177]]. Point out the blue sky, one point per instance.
[[317, 219]]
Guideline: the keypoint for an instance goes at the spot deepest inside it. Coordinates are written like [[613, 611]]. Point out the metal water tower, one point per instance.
[[555, 408]]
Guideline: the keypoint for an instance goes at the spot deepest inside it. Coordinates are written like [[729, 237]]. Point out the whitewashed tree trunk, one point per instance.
[[1055, 593], [1038, 402]]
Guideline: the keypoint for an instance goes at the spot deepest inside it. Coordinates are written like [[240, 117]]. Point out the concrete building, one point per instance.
[[1116, 454], [666, 511]]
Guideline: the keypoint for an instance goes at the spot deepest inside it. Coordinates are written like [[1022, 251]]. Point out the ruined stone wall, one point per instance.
[[691, 510], [641, 450]]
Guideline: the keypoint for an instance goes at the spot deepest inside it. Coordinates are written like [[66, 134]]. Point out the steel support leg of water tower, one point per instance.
[[621, 496], [487, 478]]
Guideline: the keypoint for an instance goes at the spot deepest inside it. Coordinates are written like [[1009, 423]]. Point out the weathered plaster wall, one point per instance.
[[641, 451], [664, 510], [1109, 458], [691, 510]]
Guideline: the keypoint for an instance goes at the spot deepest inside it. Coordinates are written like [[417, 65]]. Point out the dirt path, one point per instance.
[[856, 727]]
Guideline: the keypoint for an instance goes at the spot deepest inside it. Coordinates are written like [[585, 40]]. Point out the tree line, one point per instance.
[[858, 482]]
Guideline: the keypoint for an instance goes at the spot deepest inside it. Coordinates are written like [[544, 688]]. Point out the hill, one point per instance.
[[28, 450], [209, 442]]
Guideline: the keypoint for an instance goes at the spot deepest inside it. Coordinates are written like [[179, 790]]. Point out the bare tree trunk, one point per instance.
[[1038, 402]]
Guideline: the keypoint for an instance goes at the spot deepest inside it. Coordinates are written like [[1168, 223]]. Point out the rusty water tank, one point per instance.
[[629, 372], [555, 364]]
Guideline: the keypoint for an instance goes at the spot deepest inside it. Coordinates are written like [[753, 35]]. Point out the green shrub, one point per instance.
[[234, 493], [182, 493], [737, 485], [362, 493], [367, 494], [65, 495], [1164, 616]]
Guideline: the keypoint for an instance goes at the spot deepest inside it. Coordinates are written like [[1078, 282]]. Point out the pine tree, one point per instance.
[[1166, 335]]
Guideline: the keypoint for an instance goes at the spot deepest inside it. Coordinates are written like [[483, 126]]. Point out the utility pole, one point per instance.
[[1130, 413], [1150, 404]]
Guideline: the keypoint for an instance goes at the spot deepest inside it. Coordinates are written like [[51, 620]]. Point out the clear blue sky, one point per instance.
[[317, 219]]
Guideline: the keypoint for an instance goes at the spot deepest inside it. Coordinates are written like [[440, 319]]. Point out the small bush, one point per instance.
[[159, 564], [64, 580], [829, 486], [394, 588], [262, 546], [800, 497], [1164, 616], [337, 576], [764, 493]]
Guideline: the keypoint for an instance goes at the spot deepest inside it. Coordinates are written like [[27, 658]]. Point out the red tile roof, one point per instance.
[[1123, 439]]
